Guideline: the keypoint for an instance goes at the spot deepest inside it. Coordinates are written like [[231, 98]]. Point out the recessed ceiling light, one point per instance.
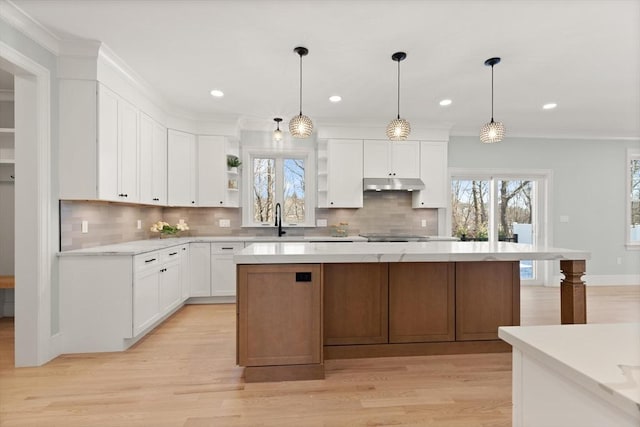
[[445, 102], [217, 93], [549, 106], [335, 98]]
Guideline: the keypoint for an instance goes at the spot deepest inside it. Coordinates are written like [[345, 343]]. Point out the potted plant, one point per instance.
[[233, 162]]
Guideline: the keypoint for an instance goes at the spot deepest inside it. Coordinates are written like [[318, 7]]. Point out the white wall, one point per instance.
[[588, 186]]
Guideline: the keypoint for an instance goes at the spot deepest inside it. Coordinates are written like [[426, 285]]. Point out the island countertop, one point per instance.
[[296, 253]]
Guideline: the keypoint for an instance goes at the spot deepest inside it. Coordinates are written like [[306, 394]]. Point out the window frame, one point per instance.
[[249, 154], [632, 154]]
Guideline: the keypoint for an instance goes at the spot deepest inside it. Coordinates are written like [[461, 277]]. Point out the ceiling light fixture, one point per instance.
[[335, 98], [217, 93], [399, 129], [493, 131], [277, 134], [549, 106], [300, 126], [445, 102]]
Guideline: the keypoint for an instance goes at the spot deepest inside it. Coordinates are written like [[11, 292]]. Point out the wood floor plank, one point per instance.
[[184, 374]]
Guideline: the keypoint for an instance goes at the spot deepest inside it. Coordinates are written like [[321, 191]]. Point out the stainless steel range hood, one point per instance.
[[387, 184]]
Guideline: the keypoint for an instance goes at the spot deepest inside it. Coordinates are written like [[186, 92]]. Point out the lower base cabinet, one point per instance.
[[279, 317], [355, 303]]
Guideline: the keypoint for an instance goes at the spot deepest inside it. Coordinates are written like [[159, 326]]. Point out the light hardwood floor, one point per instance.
[[184, 374]]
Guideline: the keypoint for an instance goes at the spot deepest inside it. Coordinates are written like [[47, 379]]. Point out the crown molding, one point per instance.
[[20, 20]]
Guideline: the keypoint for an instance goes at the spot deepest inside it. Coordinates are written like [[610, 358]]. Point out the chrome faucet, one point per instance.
[[279, 220]]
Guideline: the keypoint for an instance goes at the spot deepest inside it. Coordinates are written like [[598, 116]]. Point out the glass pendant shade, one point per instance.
[[492, 132], [398, 130], [277, 134], [300, 126]]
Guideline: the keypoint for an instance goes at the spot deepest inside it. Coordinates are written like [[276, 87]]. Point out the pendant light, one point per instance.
[[277, 134], [300, 126], [493, 131], [399, 129]]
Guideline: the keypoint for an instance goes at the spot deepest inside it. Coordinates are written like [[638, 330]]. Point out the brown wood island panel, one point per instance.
[[279, 317], [421, 302], [487, 296], [355, 303]]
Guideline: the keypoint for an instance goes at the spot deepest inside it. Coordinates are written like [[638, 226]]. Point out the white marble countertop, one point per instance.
[[604, 358], [150, 245], [281, 253]]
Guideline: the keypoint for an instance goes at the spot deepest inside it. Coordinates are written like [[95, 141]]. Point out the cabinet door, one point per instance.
[[200, 269], [344, 173], [107, 144], [153, 161], [355, 303], [170, 286], [376, 159], [181, 169], [405, 159], [434, 174], [223, 269], [212, 169], [185, 273], [146, 299], [127, 152], [421, 302], [487, 296], [279, 315]]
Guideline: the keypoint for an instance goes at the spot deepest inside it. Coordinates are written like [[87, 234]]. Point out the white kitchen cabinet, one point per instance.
[[200, 269], [153, 161], [185, 273], [214, 183], [223, 269], [181, 170], [391, 159], [146, 291], [340, 163], [117, 147], [98, 153], [108, 302], [434, 173]]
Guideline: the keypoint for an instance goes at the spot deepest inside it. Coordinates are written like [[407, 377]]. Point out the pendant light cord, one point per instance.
[[398, 90], [491, 93], [300, 84]]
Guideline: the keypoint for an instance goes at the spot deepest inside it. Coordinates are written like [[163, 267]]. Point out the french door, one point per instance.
[[505, 207]]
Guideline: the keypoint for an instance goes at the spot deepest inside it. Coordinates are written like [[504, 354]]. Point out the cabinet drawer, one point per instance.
[[220, 248], [172, 253], [145, 261]]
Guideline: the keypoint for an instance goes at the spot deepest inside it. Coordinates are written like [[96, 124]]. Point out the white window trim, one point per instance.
[[632, 154], [308, 154], [543, 231]]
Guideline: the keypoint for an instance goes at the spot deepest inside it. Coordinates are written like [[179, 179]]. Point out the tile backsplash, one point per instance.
[[383, 212]]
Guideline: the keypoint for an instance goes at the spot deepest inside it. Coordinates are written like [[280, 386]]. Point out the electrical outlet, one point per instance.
[[564, 218], [181, 221], [85, 226], [139, 224], [225, 223], [321, 223], [424, 222], [619, 261]]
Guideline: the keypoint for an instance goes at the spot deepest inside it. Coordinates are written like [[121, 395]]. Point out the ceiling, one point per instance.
[[583, 55]]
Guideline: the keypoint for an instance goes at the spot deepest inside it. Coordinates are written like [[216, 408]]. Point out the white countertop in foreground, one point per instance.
[[603, 358], [282, 253]]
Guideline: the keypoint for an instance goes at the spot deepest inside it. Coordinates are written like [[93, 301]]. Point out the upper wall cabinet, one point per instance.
[[153, 161], [340, 173], [217, 183], [391, 159], [181, 171], [98, 143], [434, 174]]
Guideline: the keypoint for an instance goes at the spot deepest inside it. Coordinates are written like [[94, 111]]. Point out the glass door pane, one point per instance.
[[470, 209]]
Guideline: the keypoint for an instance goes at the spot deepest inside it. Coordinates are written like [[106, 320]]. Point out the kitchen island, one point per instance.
[[301, 303]]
